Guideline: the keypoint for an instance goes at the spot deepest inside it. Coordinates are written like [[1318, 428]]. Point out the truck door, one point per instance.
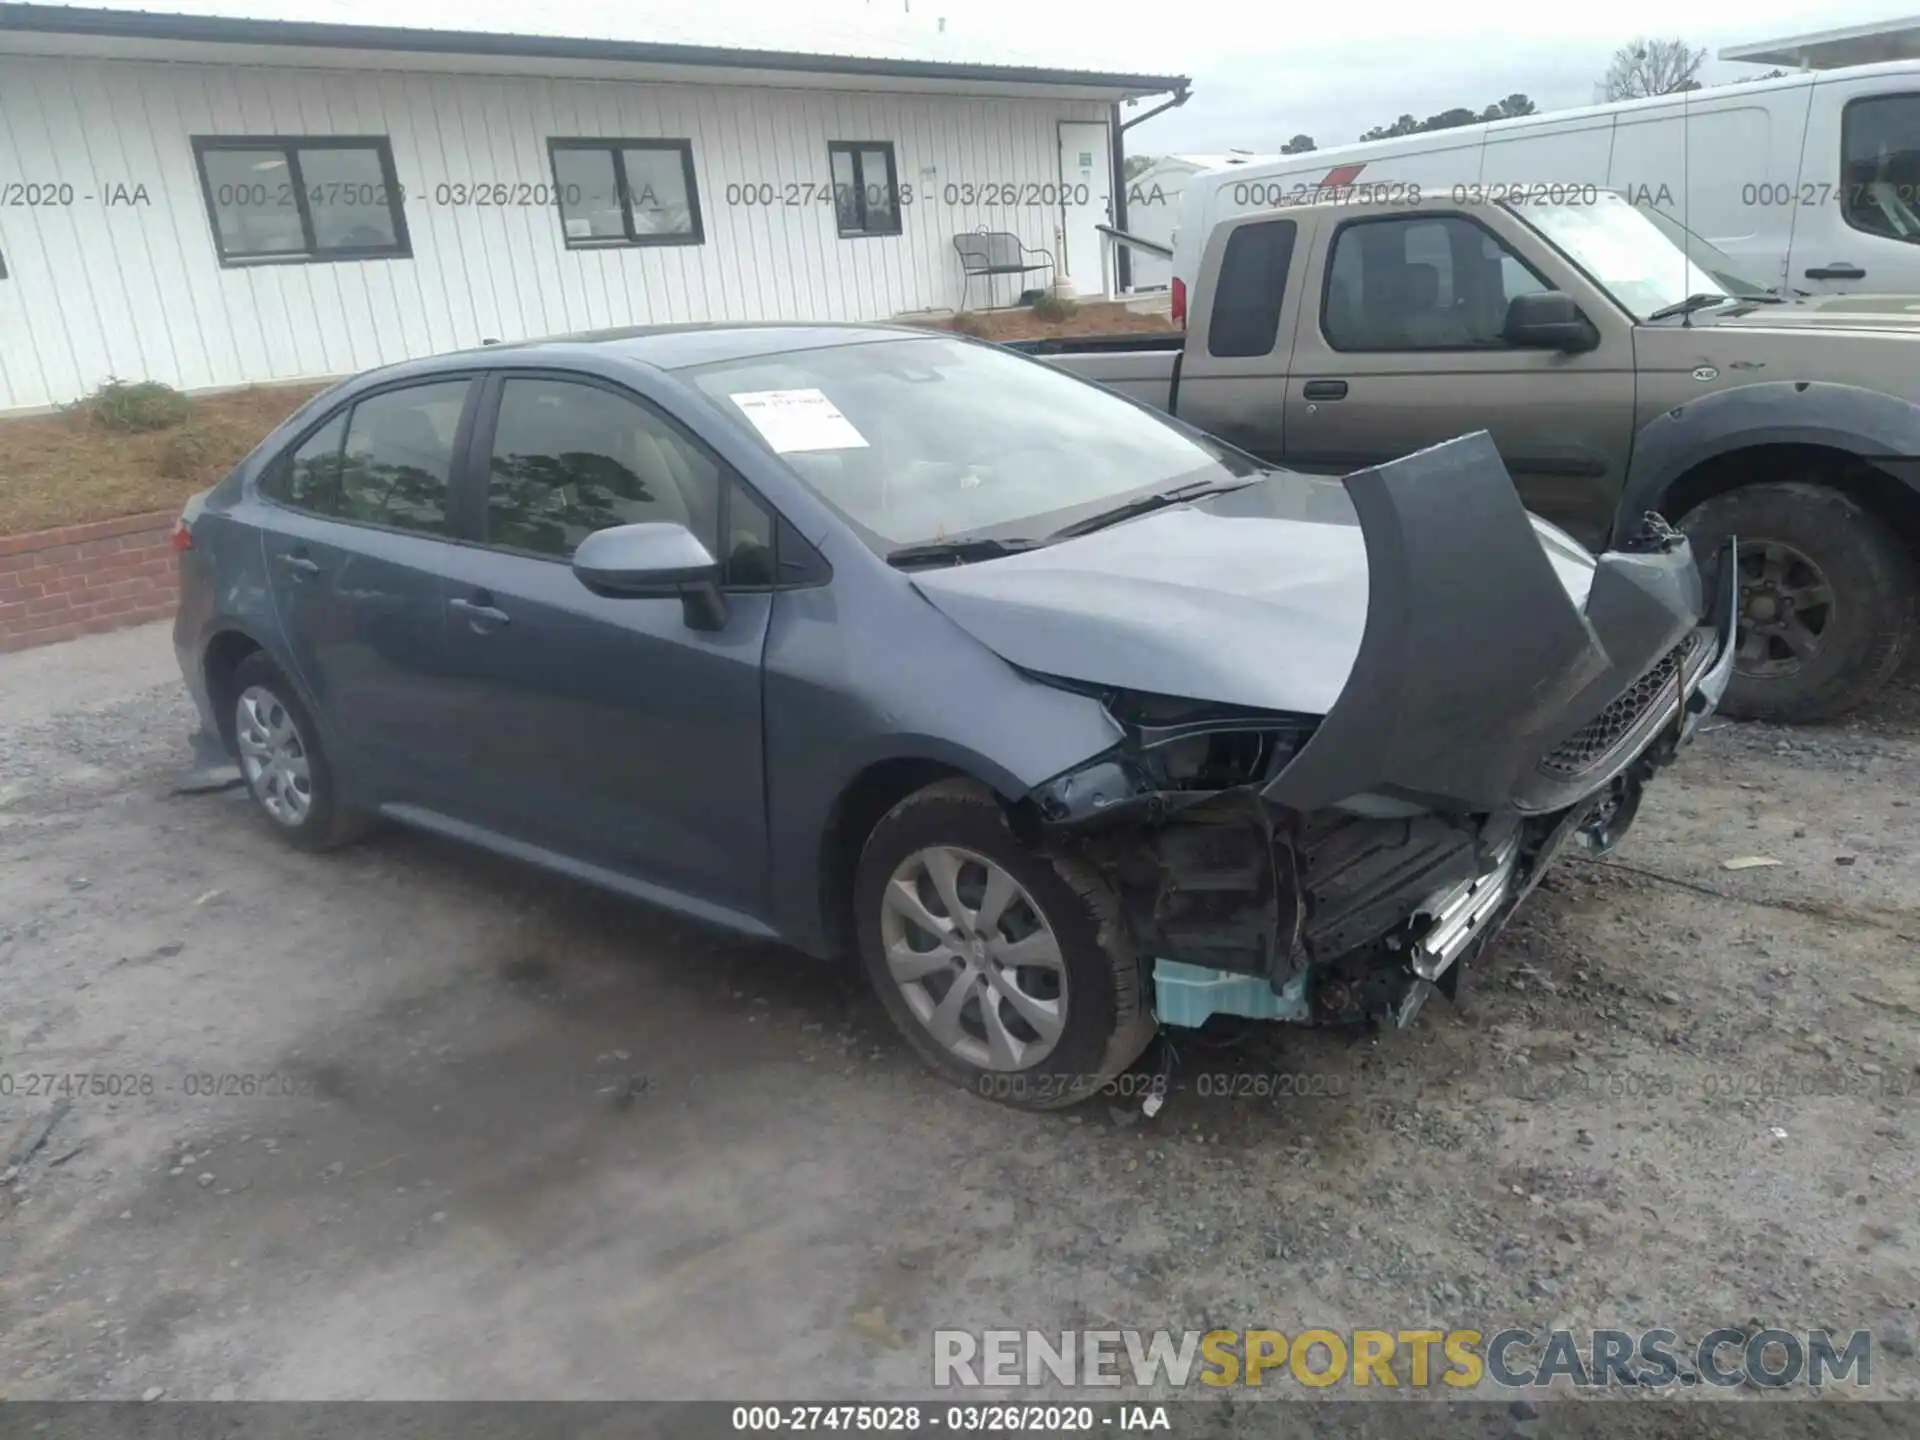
[[1404, 350], [1862, 159], [1233, 373]]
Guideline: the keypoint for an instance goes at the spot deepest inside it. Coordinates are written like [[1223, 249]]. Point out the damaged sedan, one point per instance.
[[1068, 720]]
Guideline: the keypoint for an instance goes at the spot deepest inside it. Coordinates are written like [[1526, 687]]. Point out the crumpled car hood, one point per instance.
[[1257, 597]]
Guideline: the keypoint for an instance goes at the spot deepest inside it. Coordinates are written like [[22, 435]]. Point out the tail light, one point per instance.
[[1179, 302], [182, 534]]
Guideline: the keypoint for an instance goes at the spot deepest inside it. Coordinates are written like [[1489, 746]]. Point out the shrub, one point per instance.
[[1054, 307], [132, 407], [190, 449], [968, 323]]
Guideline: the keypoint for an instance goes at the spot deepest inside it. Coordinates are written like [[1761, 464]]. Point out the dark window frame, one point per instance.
[[1220, 293], [289, 148], [477, 469], [459, 456], [1333, 250], [623, 191], [853, 148], [1846, 207]]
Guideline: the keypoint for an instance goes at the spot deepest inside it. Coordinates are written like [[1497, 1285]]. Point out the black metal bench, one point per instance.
[[997, 252]]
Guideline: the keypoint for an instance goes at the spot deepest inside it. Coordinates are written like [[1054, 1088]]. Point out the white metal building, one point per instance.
[[212, 201]]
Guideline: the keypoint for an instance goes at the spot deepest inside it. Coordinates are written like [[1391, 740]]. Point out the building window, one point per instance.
[[626, 192], [302, 198], [866, 188]]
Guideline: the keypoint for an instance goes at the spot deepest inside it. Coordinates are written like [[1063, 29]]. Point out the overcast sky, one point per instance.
[[1261, 72]]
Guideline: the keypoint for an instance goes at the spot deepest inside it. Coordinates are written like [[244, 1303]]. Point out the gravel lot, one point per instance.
[[1677, 1094]]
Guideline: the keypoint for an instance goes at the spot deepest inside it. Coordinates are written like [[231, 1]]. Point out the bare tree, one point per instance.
[[1298, 145], [1652, 67]]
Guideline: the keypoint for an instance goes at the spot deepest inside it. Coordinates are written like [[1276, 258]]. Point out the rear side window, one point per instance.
[[569, 459], [309, 477], [398, 457], [1880, 145], [1253, 279]]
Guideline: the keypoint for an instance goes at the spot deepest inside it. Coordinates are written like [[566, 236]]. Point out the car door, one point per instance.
[[361, 528], [607, 730], [1859, 230], [1406, 351], [1233, 372]]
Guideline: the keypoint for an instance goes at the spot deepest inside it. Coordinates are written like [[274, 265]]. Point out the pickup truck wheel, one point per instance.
[[1827, 599], [1008, 970]]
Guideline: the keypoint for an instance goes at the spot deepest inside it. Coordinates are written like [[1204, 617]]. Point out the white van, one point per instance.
[[1810, 182]]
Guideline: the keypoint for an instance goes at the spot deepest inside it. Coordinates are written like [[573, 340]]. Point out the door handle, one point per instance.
[[302, 566], [481, 616], [1324, 390], [1838, 270]]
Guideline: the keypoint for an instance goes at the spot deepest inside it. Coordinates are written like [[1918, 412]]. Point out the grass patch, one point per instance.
[[78, 464], [1054, 308]]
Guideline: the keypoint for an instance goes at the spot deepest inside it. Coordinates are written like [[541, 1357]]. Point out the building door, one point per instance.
[[1086, 202]]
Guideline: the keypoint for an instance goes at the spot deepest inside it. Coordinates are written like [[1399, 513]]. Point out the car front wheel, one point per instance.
[[1827, 597], [1007, 969], [281, 759]]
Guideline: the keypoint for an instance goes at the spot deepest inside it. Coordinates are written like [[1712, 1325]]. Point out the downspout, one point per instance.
[[1123, 258]]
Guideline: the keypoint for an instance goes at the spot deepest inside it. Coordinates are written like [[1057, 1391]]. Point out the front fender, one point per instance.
[[1878, 427]]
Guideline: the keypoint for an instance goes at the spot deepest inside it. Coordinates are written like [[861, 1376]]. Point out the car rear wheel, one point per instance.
[[281, 759], [1827, 599], [1008, 970]]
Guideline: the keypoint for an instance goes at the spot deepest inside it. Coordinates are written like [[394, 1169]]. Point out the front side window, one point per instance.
[[1423, 283], [917, 439], [318, 198], [866, 189], [397, 462], [569, 459], [1880, 160], [626, 192]]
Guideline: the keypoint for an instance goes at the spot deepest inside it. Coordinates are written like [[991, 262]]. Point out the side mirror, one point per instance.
[[1548, 321], [654, 561]]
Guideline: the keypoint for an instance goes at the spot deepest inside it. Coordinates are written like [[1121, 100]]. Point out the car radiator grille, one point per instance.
[[1594, 742]]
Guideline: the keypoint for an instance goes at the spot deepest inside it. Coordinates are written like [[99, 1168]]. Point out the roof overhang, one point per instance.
[[1835, 49], [35, 29]]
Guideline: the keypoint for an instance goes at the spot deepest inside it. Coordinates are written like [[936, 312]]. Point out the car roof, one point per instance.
[[674, 347]]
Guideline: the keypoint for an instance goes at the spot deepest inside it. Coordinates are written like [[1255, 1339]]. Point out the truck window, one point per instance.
[[1246, 299], [1880, 166], [1427, 283]]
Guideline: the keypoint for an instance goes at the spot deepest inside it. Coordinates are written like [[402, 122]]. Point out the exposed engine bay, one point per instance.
[[1355, 912]]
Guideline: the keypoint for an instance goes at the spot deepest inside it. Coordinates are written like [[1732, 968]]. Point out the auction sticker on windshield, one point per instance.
[[796, 420]]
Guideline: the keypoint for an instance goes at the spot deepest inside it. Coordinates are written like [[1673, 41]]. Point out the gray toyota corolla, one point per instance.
[[1066, 718]]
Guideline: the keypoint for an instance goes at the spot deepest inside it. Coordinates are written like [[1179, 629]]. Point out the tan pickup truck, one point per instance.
[[1620, 365]]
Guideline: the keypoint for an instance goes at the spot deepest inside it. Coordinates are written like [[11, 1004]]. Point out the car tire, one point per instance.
[[1036, 1035], [1798, 538], [283, 763]]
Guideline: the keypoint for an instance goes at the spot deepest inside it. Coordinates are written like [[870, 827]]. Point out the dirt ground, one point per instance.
[[1676, 1094], [67, 468], [1090, 317]]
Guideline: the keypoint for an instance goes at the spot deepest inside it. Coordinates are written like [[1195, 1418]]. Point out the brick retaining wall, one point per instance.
[[79, 579]]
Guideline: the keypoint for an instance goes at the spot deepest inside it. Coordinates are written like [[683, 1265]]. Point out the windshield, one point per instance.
[[1729, 275], [916, 440], [1623, 252]]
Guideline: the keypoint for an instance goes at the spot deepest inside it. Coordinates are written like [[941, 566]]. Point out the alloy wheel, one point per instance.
[[1786, 606], [273, 756], [974, 957]]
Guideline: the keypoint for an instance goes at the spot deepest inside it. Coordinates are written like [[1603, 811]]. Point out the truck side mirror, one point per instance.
[[1548, 321]]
